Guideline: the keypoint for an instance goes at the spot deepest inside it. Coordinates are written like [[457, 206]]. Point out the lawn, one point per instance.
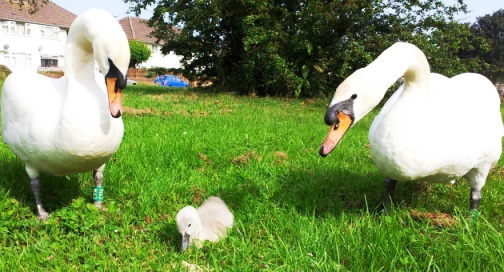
[[294, 210]]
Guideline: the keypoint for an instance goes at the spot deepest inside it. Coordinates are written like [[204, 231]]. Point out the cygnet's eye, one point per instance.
[[189, 225]]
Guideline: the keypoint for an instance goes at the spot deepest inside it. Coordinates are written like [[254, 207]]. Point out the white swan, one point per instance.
[[70, 125], [209, 222], [433, 128]]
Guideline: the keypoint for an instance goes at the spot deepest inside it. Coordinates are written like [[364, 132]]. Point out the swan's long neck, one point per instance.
[[400, 60], [372, 82], [79, 62]]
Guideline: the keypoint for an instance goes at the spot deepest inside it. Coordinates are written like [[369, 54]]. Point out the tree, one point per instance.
[[32, 5], [279, 47], [139, 53], [491, 28]]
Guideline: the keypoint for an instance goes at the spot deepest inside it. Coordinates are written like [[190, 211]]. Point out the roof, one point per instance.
[[48, 14], [137, 29]]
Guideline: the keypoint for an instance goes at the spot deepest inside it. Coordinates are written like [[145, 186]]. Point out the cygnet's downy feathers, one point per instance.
[[208, 222]]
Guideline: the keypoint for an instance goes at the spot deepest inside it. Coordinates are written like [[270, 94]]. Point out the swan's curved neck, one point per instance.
[[372, 82], [79, 57], [401, 60]]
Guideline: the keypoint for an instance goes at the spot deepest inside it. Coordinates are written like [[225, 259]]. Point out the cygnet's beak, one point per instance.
[[186, 238]]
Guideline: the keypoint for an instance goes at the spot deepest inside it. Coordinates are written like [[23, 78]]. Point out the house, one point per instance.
[[33, 41], [137, 29], [36, 42]]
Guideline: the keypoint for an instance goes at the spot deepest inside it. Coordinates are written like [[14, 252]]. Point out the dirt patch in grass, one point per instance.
[[161, 97], [437, 219], [142, 112], [204, 158], [280, 157], [225, 111], [280, 154], [498, 171], [201, 114], [197, 195], [242, 159], [309, 101]]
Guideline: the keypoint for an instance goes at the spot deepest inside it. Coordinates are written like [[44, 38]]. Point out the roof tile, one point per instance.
[[138, 29], [48, 14]]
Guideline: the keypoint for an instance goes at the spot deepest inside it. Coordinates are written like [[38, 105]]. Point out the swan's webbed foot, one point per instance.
[[390, 185], [99, 206], [35, 186], [42, 214], [474, 199]]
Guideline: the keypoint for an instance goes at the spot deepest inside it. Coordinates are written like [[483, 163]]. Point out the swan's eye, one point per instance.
[[354, 96], [189, 225], [337, 121]]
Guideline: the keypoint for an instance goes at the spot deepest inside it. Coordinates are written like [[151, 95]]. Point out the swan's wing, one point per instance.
[[388, 105], [31, 104], [215, 218]]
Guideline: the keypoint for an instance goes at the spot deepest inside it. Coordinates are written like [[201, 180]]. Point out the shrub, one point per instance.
[[4, 71]]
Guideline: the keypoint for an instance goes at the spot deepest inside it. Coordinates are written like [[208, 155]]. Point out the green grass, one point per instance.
[[294, 210]]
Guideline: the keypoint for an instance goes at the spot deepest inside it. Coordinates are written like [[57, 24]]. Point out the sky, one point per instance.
[[119, 9], [116, 7], [478, 8]]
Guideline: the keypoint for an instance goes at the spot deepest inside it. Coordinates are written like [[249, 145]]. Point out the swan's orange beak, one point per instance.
[[335, 134], [114, 97]]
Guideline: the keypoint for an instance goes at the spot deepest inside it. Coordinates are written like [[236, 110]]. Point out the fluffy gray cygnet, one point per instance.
[[208, 222]]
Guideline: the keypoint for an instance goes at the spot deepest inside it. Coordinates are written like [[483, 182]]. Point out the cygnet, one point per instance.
[[208, 222]]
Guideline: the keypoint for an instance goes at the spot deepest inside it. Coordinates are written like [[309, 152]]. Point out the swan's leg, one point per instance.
[[474, 199], [35, 186], [98, 189], [476, 178], [390, 185]]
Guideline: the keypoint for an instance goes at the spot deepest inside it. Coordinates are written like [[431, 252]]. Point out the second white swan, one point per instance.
[[433, 128]]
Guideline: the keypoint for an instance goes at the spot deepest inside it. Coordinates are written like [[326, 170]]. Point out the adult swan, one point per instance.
[[433, 128], [73, 124]]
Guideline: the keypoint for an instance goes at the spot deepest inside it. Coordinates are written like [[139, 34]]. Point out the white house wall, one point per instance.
[[157, 59], [28, 49]]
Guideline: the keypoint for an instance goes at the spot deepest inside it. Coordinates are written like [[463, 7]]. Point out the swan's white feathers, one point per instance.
[[89, 26], [209, 222], [63, 126], [433, 128], [425, 136], [215, 216]]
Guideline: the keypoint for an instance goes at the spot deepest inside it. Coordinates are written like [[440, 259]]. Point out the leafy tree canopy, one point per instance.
[[31, 5], [278, 47], [491, 28], [139, 53]]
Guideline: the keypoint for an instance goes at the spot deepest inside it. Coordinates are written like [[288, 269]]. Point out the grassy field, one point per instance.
[[294, 210]]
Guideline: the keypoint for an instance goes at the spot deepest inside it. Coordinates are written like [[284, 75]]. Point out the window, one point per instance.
[[49, 32], [20, 29], [11, 27], [5, 28], [49, 61], [18, 59], [28, 29], [8, 27]]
